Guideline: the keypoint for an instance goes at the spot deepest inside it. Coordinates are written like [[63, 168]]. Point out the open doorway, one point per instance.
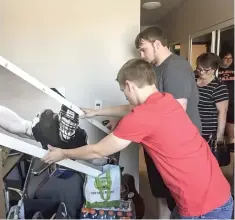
[[227, 39], [201, 44], [175, 48]]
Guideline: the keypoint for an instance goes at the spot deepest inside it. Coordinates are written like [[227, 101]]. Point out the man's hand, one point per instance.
[[55, 155], [112, 124], [89, 113]]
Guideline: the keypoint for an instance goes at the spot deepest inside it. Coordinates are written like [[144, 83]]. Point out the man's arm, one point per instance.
[[221, 98], [116, 111], [177, 80], [13, 123], [107, 146], [222, 108], [132, 128]]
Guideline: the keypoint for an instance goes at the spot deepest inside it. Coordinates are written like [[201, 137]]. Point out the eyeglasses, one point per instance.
[[200, 70], [227, 58]]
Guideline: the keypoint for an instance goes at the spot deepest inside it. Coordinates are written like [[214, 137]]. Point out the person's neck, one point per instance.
[[206, 81], [163, 55], [146, 92], [225, 66]]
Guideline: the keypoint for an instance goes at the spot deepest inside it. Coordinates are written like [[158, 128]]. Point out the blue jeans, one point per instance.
[[223, 212]]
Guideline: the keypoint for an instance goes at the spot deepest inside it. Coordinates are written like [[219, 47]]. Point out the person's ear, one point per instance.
[[157, 44], [131, 86], [128, 85], [212, 72]]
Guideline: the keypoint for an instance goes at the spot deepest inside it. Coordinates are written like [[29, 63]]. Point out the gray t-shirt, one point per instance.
[[176, 76]]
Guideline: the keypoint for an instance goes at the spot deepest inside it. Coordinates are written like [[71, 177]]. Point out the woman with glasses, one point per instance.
[[213, 97]]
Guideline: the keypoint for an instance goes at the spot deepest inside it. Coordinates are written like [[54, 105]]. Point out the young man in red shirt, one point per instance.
[[160, 124]]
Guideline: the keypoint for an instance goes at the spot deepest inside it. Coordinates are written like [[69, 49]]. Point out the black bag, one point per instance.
[[220, 151], [44, 209]]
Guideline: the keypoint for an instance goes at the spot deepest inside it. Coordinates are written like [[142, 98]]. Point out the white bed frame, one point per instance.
[[33, 150], [36, 83], [38, 152]]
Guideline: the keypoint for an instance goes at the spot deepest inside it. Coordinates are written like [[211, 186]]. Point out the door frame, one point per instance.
[[215, 30]]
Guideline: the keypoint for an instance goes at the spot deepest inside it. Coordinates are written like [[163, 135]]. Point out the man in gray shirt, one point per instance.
[[175, 76]]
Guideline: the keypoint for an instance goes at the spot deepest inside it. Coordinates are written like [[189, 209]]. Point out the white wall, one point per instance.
[[79, 45]]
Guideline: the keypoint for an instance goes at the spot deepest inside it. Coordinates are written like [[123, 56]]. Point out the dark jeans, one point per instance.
[[223, 212], [158, 187]]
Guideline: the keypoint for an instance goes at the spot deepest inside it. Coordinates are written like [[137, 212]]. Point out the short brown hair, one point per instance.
[[150, 34], [138, 71], [209, 60]]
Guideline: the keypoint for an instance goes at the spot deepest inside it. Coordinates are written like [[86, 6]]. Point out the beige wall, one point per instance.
[[193, 16], [79, 45]]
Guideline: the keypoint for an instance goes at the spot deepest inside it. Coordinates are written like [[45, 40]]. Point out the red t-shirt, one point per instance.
[[181, 155]]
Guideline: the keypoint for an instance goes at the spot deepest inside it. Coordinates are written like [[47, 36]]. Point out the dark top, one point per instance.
[[227, 75], [214, 92], [47, 132], [176, 76]]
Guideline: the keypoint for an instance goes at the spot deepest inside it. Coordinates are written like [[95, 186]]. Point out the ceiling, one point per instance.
[[151, 17]]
